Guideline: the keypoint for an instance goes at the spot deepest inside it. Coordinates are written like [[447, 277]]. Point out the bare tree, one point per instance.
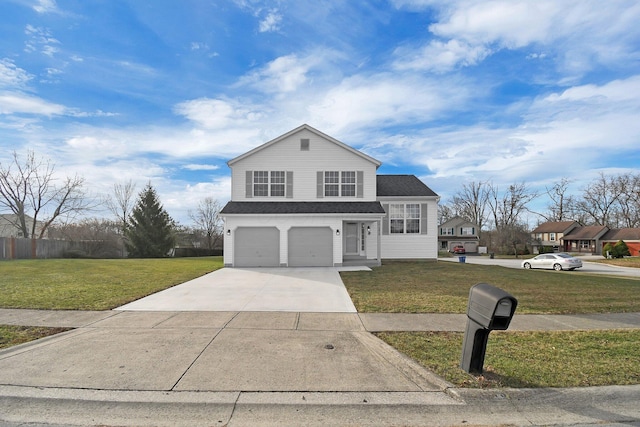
[[471, 202], [122, 202], [445, 213], [599, 200], [628, 202], [94, 237], [28, 189], [207, 219], [507, 209], [561, 205]]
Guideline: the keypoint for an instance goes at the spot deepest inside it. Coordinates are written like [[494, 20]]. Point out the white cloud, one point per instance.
[[45, 6], [440, 56], [217, 113], [578, 34], [12, 76], [386, 99], [271, 22], [282, 75], [41, 39], [512, 23], [20, 103], [200, 167]]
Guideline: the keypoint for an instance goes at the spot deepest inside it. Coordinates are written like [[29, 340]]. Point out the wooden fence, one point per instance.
[[17, 248]]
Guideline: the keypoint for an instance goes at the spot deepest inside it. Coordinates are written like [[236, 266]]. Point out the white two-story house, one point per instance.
[[307, 199]]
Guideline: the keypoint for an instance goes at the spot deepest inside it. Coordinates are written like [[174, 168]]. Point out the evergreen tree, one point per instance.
[[621, 249], [150, 231]]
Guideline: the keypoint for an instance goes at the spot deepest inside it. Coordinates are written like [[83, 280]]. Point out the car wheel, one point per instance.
[[527, 265], [557, 267]]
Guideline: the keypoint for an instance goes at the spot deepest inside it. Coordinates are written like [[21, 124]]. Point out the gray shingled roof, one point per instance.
[[401, 185], [302, 208], [587, 233], [554, 227], [626, 234]]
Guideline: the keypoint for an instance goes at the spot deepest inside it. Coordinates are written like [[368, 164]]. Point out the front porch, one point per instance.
[[360, 243]]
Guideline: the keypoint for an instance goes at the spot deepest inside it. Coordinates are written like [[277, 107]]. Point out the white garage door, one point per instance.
[[310, 247], [257, 247]]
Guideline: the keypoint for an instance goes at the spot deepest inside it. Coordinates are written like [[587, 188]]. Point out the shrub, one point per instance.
[[621, 249], [608, 248]]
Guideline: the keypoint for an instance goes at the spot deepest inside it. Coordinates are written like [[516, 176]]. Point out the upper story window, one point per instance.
[[446, 231], [404, 218], [269, 183], [552, 237], [340, 184], [467, 231]]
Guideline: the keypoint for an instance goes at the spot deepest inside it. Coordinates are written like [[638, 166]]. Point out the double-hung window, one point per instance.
[[277, 183], [340, 184], [404, 218], [269, 183], [261, 183], [332, 184], [466, 231], [348, 184]]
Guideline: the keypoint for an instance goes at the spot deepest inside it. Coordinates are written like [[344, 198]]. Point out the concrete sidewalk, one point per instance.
[[371, 322], [268, 368]]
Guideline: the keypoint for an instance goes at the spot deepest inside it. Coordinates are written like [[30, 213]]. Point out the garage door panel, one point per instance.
[[257, 247], [310, 247]]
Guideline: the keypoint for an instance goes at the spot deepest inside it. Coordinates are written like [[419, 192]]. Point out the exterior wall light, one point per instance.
[[228, 232], [368, 230], [337, 232]]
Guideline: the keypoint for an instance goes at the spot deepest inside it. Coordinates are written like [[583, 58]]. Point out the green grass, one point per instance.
[[443, 287], [530, 359], [91, 284], [14, 335]]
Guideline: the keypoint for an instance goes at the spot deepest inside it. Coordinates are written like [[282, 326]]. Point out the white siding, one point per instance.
[[285, 155], [413, 246]]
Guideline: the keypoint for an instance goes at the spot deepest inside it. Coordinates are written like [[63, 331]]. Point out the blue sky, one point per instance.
[[451, 91]]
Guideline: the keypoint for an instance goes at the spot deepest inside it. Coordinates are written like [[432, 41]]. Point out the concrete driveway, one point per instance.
[[315, 289]]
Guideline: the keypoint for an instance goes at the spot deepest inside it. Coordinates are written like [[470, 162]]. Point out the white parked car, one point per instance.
[[558, 262]]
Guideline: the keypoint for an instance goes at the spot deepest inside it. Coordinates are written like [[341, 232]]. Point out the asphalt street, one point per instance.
[[587, 266]]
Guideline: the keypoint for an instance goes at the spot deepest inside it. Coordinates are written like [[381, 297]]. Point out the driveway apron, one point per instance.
[[254, 289]]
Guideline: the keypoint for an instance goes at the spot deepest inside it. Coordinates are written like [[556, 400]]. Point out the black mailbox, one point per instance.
[[489, 309]]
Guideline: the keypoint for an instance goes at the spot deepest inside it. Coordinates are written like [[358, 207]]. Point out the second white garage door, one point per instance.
[[257, 247], [310, 247]]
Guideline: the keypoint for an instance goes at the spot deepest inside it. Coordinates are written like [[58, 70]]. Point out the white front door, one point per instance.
[[351, 241]]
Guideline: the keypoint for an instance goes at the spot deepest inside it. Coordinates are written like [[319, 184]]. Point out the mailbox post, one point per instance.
[[489, 309]]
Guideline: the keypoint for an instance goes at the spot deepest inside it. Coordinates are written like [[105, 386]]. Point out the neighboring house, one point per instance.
[[631, 236], [458, 232], [585, 239], [570, 236], [10, 225], [550, 235], [307, 199]]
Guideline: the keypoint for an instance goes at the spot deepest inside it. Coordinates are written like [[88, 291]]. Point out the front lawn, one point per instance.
[[530, 359], [11, 335], [93, 284], [443, 287]]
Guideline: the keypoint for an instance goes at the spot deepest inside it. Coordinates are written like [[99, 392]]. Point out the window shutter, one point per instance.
[[320, 185], [385, 220], [360, 184], [289, 185], [249, 184], [423, 219]]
